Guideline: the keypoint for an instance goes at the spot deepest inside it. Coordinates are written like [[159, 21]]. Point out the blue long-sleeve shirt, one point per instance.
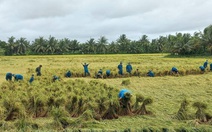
[[151, 74], [122, 92], [18, 77], [9, 76], [129, 68], [205, 64], [31, 79], [174, 69]]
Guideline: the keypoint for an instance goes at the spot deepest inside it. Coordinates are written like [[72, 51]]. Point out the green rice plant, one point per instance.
[[111, 112], [71, 105], [101, 104], [139, 99], [200, 113], [143, 110], [37, 105], [87, 115], [13, 108], [182, 113], [80, 107], [24, 124], [125, 82], [60, 118]]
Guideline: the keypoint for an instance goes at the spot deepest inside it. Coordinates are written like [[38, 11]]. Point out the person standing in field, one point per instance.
[[85, 69], [108, 73], [9, 76], [38, 70], [18, 77], [205, 64], [31, 79], [120, 68], [129, 68]]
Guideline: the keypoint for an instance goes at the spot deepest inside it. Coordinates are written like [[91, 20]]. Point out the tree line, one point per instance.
[[180, 43]]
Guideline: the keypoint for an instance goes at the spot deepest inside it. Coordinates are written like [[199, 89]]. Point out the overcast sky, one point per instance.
[[85, 19]]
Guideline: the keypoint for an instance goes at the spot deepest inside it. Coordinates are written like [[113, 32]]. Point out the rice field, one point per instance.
[[167, 91]]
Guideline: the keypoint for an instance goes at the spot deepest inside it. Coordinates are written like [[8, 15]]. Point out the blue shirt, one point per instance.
[[128, 68], [151, 74], [120, 67], [202, 68], [68, 74], [108, 72], [122, 92], [174, 69], [86, 67], [205, 64], [31, 79], [18, 77], [9, 76]]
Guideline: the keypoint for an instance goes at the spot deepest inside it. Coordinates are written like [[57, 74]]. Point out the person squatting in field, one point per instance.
[[129, 68], [68, 74], [99, 74], [55, 78], [202, 68], [38, 70], [9, 76], [120, 68], [18, 77], [174, 70], [85, 66], [150, 73]]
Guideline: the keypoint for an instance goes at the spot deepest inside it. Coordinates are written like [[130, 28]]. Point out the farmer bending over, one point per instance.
[[174, 70], [9, 76], [18, 77], [55, 78], [99, 74], [68, 74], [150, 74], [202, 68], [124, 98]]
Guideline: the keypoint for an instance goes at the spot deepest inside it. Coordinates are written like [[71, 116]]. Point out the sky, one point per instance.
[[85, 19]]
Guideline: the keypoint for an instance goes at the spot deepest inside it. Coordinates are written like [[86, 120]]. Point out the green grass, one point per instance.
[[167, 92]]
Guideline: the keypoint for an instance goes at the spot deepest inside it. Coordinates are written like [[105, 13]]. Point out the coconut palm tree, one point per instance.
[[11, 46], [123, 43], [102, 45], [145, 44], [22, 45], [207, 38], [91, 45], [39, 45], [52, 45]]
